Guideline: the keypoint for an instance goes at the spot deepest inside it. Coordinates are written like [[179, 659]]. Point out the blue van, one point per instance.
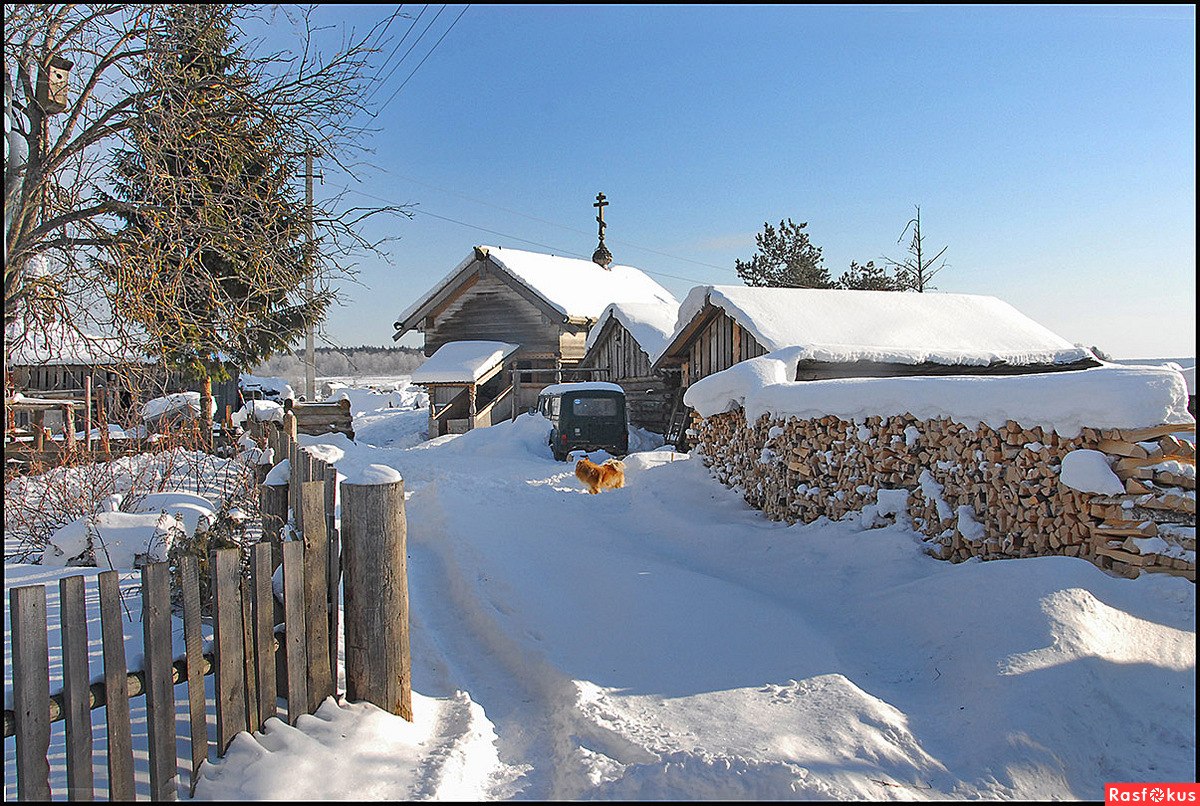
[[585, 416]]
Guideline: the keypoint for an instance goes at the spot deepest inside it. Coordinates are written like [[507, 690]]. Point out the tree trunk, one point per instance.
[[206, 410]]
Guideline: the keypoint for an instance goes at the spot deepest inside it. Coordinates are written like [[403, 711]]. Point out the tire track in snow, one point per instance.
[[534, 707]]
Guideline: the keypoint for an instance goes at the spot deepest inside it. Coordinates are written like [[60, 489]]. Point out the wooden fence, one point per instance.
[[254, 660]]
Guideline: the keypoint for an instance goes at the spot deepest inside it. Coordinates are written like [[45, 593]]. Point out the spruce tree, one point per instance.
[[785, 258], [210, 259]]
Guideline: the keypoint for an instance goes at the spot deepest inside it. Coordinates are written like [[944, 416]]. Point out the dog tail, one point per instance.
[[617, 463]]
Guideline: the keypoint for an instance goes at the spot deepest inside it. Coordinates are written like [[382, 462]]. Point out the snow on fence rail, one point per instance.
[[266, 643]]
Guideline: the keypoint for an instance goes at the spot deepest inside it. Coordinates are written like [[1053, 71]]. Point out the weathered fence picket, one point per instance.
[[293, 606], [189, 582], [160, 688], [116, 690], [31, 691], [77, 720], [230, 650], [264, 630]]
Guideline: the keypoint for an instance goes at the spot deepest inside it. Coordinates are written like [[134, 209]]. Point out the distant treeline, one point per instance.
[[363, 361]]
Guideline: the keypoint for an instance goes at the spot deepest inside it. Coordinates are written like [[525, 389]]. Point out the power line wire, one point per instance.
[[554, 249], [396, 66], [411, 47], [427, 55], [555, 223]]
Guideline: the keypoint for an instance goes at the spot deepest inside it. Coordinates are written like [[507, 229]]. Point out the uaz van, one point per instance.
[[586, 416]]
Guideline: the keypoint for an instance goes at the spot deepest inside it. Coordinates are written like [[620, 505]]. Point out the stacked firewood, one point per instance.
[[1152, 527], [973, 492]]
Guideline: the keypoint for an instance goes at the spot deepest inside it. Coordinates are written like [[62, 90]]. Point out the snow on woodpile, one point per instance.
[[650, 323], [884, 326], [1109, 396], [462, 361]]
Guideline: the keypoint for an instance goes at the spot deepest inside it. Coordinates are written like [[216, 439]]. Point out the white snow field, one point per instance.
[[664, 641]]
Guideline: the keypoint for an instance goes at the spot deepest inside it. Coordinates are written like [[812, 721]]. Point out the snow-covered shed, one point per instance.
[[466, 385], [56, 361], [545, 304], [856, 334], [621, 348]]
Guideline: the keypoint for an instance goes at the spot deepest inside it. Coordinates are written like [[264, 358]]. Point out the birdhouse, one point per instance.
[[52, 85]]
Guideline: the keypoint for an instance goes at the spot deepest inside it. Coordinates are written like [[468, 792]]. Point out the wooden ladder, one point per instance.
[[677, 421]]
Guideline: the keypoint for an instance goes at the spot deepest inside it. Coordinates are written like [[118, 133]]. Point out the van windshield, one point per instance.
[[594, 407]]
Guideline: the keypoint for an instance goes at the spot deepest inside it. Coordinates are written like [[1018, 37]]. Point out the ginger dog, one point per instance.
[[609, 475]]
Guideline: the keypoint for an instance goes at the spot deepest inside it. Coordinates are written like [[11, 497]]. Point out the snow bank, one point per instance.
[[195, 511], [262, 411], [462, 361], [1103, 397], [186, 404], [118, 540]]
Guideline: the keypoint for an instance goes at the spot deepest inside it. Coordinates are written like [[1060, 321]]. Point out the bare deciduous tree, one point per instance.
[[916, 271], [74, 92]]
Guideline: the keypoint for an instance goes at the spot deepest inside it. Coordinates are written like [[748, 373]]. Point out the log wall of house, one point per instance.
[[971, 492], [718, 345], [491, 310]]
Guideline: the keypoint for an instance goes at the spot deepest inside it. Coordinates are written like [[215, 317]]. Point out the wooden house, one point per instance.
[[57, 362], [622, 348], [543, 304], [845, 334]]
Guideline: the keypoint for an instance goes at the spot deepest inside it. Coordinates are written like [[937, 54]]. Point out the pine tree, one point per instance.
[[785, 258], [869, 277], [210, 259]]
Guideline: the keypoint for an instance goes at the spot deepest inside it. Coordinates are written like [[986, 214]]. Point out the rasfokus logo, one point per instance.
[[1163, 793]]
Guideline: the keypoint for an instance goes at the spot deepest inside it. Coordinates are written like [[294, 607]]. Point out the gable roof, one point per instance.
[[573, 288], [881, 326], [650, 323]]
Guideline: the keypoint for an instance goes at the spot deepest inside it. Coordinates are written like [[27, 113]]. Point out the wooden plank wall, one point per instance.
[[718, 346]]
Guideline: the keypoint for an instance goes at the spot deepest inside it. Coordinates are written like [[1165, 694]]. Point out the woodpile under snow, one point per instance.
[[973, 492]]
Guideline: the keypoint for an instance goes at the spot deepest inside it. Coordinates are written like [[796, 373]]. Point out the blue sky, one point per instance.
[[1052, 150]]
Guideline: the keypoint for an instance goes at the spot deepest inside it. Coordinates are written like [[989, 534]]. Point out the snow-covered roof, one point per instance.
[[57, 346], [884, 326], [575, 288], [582, 386], [1109, 396], [462, 361], [651, 323]]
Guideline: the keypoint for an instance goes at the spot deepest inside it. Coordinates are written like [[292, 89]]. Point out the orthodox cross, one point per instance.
[[601, 256], [600, 205]]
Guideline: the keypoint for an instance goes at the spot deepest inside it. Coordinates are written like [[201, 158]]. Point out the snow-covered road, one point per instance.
[[664, 641]]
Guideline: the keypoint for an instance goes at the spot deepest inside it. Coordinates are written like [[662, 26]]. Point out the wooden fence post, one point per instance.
[[160, 687], [316, 593], [76, 688], [116, 690], [229, 647], [274, 504], [374, 534], [296, 653], [31, 690]]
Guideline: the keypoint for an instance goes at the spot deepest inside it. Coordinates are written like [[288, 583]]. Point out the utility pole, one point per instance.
[[310, 361]]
